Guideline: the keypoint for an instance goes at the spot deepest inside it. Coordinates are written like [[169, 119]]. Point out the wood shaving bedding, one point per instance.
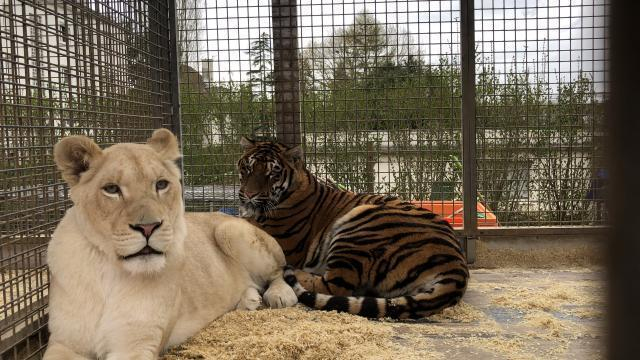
[[548, 296], [506, 314], [294, 333]]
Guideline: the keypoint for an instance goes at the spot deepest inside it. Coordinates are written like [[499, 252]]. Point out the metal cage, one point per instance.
[[98, 68], [493, 103]]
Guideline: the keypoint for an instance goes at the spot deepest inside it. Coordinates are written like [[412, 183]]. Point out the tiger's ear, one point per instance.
[[74, 155], [165, 143], [247, 143], [295, 154]]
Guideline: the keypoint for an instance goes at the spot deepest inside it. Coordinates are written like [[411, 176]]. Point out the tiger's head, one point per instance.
[[268, 170], [127, 199]]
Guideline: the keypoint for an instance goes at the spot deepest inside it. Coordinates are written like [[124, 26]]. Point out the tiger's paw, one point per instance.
[[289, 275], [280, 295]]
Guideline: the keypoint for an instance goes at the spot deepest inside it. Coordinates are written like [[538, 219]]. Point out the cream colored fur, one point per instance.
[[108, 307]]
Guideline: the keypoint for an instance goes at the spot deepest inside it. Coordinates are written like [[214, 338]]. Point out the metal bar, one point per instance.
[[97, 68], [286, 75], [624, 245], [156, 28], [176, 123], [535, 231], [469, 174], [28, 327]]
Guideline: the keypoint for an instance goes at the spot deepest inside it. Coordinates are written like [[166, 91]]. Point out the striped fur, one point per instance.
[[372, 255]]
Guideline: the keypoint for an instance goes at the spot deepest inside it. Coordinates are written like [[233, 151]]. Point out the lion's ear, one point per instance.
[[165, 143], [247, 143], [74, 155]]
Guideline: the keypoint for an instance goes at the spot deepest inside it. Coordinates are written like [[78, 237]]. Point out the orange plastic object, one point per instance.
[[451, 210]]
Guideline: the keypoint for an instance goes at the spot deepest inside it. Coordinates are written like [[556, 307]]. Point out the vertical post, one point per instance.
[[369, 172], [623, 252], [469, 170], [284, 16], [156, 28], [176, 121], [173, 69]]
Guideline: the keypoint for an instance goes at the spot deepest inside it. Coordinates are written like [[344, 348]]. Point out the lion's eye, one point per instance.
[[111, 189], [161, 185]]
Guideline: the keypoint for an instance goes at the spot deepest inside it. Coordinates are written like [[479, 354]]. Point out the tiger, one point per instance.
[[371, 255]]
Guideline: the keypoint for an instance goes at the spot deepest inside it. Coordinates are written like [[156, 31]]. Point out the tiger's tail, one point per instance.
[[416, 306]]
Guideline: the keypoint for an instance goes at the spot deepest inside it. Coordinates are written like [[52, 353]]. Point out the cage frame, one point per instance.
[[288, 117]]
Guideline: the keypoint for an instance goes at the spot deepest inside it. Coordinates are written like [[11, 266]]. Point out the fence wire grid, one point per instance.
[[380, 89], [97, 68], [373, 90], [379, 94], [540, 92]]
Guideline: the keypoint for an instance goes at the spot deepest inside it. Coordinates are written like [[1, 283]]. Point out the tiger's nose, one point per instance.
[[249, 194], [146, 229]]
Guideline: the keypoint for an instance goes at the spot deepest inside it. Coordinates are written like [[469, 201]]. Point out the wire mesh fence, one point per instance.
[[379, 94], [98, 68], [380, 101], [373, 90], [541, 88], [227, 90]]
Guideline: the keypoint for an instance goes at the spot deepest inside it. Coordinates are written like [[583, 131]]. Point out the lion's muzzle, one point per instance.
[[146, 229], [147, 250]]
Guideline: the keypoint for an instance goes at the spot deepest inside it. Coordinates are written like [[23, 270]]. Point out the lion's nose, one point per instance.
[[146, 229]]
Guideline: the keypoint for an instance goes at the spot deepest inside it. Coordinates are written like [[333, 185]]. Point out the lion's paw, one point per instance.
[[280, 295], [251, 300]]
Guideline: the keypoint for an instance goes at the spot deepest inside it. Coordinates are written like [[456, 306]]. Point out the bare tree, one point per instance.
[[355, 51], [189, 28]]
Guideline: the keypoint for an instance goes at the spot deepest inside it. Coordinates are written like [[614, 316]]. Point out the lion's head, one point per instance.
[[128, 198]]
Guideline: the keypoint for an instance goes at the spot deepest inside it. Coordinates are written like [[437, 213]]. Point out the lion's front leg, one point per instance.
[[280, 294], [251, 300], [58, 351], [128, 345], [261, 256], [138, 326], [141, 355]]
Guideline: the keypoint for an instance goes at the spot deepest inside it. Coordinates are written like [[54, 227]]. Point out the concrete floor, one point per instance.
[[527, 314]]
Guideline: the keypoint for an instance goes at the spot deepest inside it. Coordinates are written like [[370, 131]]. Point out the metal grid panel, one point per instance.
[[381, 88], [226, 91], [541, 89], [379, 94], [98, 68]]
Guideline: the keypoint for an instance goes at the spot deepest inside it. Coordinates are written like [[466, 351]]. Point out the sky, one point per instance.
[[555, 39]]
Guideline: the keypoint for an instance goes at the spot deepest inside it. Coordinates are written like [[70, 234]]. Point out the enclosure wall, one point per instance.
[[99, 68], [381, 92], [382, 96]]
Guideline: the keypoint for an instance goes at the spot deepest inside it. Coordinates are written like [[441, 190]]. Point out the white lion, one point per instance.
[[131, 273]]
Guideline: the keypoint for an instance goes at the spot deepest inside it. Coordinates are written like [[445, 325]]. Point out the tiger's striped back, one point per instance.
[[354, 252]]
